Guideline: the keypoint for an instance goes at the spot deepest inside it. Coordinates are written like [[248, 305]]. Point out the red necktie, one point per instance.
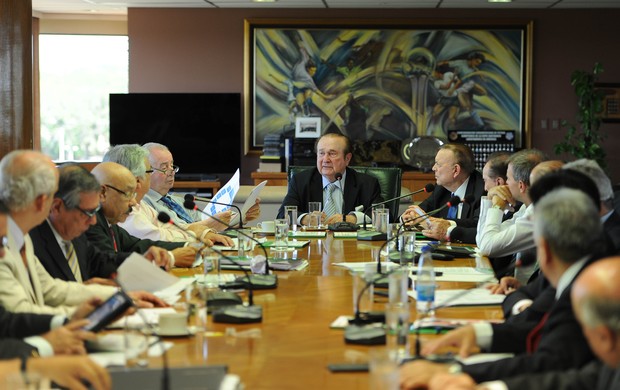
[[533, 338], [113, 239]]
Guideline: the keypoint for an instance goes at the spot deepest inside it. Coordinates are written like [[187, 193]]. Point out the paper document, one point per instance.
[[225, 195], [138, 273], [249, 202], [249, 245], [135, 321], [361, 266], [471, 297], [462, 274]]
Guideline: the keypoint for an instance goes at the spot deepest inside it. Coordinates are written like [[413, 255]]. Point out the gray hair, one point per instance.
[[73, 181], [22, 181], [523, 162], [498, 164], [597, 311], [131, 156], [591, 169], [569, 222]]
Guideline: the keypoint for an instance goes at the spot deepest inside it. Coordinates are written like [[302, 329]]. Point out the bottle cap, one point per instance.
[[426, 248]]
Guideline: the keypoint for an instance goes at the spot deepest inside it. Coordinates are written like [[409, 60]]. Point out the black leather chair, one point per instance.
[[389, 181]]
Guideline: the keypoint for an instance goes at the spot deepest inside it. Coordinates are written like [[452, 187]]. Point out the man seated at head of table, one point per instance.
[[29, 180], [595, 300], [568, 232], [143, 221], [118, 198], [354, 191], [160, 199], [456, 175]]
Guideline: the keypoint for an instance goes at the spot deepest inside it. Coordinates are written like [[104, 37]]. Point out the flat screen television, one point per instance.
[[202, 130]]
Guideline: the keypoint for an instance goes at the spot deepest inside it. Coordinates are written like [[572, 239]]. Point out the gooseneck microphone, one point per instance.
[[265, 281], [377, 236], [233, 314], [192, 198], [343, 226]]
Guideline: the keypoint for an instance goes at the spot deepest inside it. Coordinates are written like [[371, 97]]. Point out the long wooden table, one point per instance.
[[293, 345]]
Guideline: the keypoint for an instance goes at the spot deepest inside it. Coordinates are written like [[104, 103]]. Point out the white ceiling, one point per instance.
[[119, 7]]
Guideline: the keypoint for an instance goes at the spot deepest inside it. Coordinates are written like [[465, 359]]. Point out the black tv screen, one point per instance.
[[202, 130]]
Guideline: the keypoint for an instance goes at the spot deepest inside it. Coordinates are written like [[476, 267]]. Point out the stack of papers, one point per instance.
[[361, 266], [249, 245], [462, 274], [307, 234], [291, 244], [470, 297]]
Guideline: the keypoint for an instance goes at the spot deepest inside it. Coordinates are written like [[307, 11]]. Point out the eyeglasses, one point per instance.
[[89, 213], [175, 169], [126, 195], [149, 171]]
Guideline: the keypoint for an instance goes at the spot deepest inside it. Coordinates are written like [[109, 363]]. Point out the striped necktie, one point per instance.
[[178, 210], [73, 261], [330, 204]]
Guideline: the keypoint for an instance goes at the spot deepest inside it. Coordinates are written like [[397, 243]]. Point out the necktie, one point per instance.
[[452, 210], [330, 204], [533, 338], [22, 252], [178, 210], [73, 261], [113, 240]]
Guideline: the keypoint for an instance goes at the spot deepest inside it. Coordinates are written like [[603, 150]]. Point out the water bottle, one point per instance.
[[425, 283]]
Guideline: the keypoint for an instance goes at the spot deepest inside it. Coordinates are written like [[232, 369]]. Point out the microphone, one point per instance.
[[265, 281], [233, 314], [378, 236], [192, 198], [343, 226]]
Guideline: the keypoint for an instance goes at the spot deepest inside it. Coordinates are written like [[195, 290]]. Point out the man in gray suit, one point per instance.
[[596, 302]]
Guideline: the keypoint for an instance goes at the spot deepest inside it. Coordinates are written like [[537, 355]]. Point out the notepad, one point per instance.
[[291, 243], [306, 234]]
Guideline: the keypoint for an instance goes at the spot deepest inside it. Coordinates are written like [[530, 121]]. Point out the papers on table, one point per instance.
[[361, 266], [277, 264], [307, 234], [138, 273], [291, 243], [249, 245], [136, 320], [470, 297], [462, 274]]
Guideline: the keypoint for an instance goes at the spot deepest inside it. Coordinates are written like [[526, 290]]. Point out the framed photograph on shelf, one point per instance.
[[387, 79], [307, 127]]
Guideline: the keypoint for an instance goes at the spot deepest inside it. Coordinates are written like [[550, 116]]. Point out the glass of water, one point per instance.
[[314, 214], [281, 241], [290, 212]]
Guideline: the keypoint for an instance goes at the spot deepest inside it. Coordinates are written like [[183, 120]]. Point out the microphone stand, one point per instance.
[[233, 314], [378, 236], [192, 198], [265, 281]]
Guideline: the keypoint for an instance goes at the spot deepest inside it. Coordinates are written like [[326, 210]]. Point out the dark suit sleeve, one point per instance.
[[585, 378], [13, 348], [20, 325], [466, 235], [100, 264], [529, 291]]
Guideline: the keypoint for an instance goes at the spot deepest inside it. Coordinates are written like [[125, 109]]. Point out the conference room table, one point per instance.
[[293, 345]]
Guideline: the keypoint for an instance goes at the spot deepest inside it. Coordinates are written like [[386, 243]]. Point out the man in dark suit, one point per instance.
[[320, 185], [596, 302], [117, 198], [455, 175], [567, 230]]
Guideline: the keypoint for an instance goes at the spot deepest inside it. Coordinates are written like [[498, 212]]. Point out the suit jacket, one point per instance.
[[562, 345], [20, 325], [33, 290], [469, 212], [593, 376], [307, 186], [92, 261], [99, 236], [13, 348], [612, 229]]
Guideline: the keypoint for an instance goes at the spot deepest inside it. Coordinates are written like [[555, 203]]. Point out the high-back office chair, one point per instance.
[[389, 182]]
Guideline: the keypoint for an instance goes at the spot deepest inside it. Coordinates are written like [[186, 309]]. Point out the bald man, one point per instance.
[[596, 302], [118, 196]]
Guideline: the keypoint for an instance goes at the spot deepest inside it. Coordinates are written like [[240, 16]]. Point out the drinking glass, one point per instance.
[[397, 329], [314, 214], [375, 210], [281, 240], [290, 213], [406, 245]]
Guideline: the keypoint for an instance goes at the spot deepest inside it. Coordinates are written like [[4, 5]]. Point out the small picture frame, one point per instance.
[[308, 127]]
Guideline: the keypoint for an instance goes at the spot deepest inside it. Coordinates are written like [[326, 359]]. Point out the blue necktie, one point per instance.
[[452, 210], [178, 210], [330, 206]]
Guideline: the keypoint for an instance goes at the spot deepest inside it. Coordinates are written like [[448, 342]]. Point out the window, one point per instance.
[[77, 74]]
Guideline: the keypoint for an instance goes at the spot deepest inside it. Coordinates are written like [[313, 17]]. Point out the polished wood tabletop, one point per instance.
[[293, 345]]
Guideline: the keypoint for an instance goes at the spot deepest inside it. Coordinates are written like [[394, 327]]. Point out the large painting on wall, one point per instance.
[[387, 80]]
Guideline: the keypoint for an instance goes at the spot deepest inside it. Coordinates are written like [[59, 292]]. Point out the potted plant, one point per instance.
[[585, 142]]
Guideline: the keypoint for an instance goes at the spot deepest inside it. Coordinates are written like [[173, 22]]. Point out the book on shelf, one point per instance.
[[269, 167]]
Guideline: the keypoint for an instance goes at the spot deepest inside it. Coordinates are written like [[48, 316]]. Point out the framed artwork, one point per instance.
[[387, 80], [307, 127], [611, 101]]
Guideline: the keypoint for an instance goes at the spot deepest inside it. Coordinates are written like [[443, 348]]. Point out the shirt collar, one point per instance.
[[605, 217], [16, 233], [568, 276], [462, 190], [339, 183], [61, 241]]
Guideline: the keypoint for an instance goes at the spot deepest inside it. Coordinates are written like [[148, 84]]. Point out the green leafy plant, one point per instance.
[[585, 142]]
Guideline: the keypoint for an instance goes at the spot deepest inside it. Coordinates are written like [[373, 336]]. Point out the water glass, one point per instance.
[[135, 347], [360, 281], [397, 329], [211, 269], [290, 213], [398, 286], [392, 245], [245, 242], [381, 220], [383, 370], [375, 210], [281, 240], [406, 246], [314, 214]]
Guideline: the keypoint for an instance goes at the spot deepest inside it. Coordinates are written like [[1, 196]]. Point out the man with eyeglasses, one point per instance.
[[320, 185], [162, 181], [29, 180]]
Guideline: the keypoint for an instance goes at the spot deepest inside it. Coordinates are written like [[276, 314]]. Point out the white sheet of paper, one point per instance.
[[473, 297], [138, 273], [249, 202], [225, 195], [135, 321], [360, 266], [462, 274]]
